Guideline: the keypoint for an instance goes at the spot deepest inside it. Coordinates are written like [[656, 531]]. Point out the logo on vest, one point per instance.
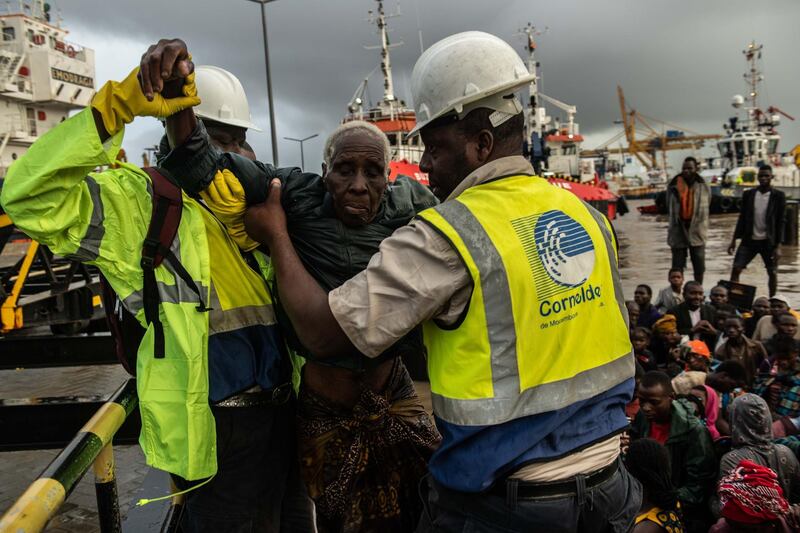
[[561, 256]]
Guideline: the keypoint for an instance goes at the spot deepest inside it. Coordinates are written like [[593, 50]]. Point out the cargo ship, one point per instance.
[[43, 77]]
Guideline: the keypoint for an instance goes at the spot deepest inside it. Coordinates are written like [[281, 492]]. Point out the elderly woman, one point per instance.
[[751, 435], [364, 436]]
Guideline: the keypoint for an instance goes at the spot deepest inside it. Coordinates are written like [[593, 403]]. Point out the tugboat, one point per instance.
[[390, 115], [395, 119], [751, 141], [555, 148]]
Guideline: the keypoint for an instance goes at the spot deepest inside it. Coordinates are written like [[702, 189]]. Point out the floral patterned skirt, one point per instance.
[[363, 466]]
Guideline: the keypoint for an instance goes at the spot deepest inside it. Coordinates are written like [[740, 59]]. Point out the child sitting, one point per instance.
[[670, 296], [640, 339]]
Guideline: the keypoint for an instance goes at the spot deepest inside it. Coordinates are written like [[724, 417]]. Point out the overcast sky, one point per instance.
[[677, 60]]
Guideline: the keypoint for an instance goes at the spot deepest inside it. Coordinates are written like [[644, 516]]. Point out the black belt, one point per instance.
[[517, 489], [275, 396]]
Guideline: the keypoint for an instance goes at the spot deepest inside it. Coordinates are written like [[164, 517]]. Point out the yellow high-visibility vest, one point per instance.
[[546, 325]]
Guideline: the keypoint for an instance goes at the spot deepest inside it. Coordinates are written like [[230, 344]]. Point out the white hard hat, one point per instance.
[[222, 98], [466, 71]]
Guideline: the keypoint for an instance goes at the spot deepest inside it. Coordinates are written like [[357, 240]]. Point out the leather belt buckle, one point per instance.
[[526, 490]]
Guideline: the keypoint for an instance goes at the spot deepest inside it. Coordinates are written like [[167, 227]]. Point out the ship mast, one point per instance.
[[753, 76], [386, 61], [534, 123]]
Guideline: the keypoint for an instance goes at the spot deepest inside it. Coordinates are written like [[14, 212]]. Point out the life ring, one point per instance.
[[71, 51], [725, 203]]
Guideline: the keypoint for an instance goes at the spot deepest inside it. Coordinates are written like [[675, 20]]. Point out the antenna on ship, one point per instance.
[[534, 123], [379, 19], [753, 76]]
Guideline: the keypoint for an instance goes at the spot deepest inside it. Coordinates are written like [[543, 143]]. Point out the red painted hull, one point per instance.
[[602, 199]]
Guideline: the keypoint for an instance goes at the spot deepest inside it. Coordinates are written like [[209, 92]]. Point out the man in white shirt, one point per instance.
[[760, 227]]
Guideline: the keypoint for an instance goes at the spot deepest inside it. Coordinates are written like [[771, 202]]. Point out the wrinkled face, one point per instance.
[[733, 328], [764, 177], [641, 296], [356, 180], [689, 168], [719, 295], [777, 307], [445, 158], [655, 403], [640, 342], [760, 307], [229, 138], [693, 294], [787, 325], [697, 362], [676, 280]]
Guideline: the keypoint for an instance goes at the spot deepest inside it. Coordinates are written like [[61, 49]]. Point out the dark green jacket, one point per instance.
[[694, 466]]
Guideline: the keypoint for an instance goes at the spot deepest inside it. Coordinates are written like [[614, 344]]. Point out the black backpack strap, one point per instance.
[[164, 222]]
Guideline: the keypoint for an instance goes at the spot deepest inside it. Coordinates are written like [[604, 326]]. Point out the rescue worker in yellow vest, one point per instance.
[[217, 410], [516, 284]]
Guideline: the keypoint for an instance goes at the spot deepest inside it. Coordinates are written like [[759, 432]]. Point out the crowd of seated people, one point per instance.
[[715, 421]]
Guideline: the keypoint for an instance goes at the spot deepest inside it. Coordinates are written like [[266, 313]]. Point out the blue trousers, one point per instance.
[[610, 506]]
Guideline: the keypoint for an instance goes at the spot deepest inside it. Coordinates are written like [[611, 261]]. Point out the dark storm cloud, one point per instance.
[[679, 61]]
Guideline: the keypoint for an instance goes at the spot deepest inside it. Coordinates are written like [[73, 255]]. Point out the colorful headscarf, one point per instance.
[[751, 494], [666, 324], [699, 348]]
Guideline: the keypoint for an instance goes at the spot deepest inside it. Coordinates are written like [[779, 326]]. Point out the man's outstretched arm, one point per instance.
[[304, 300]]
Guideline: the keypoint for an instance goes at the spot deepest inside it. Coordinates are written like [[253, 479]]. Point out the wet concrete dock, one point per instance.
[[644, 256]]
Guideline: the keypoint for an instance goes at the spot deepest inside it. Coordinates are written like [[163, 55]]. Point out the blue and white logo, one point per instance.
[[561, 255], [565, 249]]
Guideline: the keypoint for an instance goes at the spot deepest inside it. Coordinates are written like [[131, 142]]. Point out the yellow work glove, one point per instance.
[[119, 101], [225, 197]]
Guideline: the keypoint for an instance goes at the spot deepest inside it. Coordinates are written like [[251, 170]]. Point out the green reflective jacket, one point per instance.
[[53, 195]]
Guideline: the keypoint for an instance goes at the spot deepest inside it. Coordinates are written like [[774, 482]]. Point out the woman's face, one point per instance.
[[357, 177]]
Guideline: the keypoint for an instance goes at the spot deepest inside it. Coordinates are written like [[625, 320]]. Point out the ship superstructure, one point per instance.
[[43, 76], [391, 114], [553, 146], [752, 139]]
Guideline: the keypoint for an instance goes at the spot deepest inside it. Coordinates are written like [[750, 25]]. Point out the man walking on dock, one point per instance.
[[688, 203], [760, 227]]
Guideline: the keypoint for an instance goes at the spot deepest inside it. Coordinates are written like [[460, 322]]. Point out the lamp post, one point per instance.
[[273, 135], [301, 141]]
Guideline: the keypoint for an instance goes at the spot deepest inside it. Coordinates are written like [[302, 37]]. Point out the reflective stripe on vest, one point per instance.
[[509, 357]]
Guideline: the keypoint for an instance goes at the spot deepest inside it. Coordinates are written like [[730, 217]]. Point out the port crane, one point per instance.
[[647, 137]]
